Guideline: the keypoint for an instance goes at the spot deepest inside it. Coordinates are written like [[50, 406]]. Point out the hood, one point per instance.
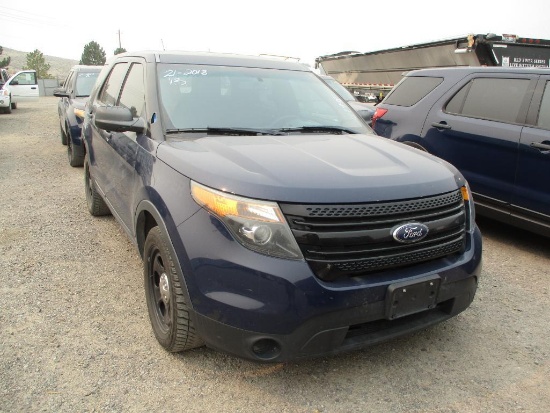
[[80, 102], [310, 168], [364, 109]]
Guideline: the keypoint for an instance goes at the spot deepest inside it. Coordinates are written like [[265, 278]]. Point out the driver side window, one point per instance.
[[133, 91], [111, 88], [26, 78]]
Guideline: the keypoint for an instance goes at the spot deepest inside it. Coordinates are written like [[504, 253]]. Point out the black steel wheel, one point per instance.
[[167, 304], [96, 204]]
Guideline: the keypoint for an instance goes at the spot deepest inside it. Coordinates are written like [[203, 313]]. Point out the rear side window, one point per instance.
[[544, 113], [491, 99], [411, 90]]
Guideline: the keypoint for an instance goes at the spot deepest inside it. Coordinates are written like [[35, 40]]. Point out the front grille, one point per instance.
[[357, 239]]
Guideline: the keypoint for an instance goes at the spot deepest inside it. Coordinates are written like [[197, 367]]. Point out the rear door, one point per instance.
[[24, 86], [401, 115], [532, 189], [476, 126]]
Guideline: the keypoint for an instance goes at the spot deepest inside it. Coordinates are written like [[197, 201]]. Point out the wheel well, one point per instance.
[[415, 145], [145, 223]]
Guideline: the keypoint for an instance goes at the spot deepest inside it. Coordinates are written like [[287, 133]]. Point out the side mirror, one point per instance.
[[60, 93], [14, 82], [118, 119]]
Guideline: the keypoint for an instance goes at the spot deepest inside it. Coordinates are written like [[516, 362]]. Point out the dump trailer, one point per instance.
[[375, 73]]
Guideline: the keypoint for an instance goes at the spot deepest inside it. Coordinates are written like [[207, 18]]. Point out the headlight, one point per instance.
[[4, 92], [257, 225], [470, 209]]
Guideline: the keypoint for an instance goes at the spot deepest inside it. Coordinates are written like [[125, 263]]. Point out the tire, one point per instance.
[[62, 134], [74, 159], [13, 105], [166, 301], [96, 205]]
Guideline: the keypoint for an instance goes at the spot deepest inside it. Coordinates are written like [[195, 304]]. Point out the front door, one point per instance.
[[115, 153], [477, 128], [532, 188], [24, 86]]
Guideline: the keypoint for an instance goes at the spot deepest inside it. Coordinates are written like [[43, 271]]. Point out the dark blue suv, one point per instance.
[[73, 95], [493, 124], [272, 223]]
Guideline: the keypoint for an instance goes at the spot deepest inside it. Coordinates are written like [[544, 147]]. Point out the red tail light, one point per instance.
[[377, 115]]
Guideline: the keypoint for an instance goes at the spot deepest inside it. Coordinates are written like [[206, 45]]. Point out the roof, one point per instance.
[[210, 58], [87, 67], [464, 70]]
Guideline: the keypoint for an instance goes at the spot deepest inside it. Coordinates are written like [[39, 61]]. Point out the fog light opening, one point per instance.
[[266, 349]]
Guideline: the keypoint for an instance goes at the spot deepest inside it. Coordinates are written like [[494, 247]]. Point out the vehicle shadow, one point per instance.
[[519, 238]]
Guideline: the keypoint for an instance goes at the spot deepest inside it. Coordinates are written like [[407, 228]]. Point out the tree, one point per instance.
[[93, 54], [6, 61], [120, 50], [36, 61]]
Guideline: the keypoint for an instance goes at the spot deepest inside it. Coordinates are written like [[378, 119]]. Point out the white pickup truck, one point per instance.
[[20, 87]]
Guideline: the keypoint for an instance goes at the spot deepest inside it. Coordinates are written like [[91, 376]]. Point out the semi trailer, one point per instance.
[[375, 73]]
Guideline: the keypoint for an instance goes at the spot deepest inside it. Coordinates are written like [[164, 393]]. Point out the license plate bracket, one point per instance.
[[406, 298]]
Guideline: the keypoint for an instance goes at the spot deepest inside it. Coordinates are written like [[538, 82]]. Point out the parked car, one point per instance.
[[4, 76], [5, 100], [272, 224], [73, 95], [21, 87], [365, 110], [492, 123], [5, 97]]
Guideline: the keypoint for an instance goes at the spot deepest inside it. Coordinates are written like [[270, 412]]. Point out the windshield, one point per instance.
[[85, 82], [206, 97], [338, 88]]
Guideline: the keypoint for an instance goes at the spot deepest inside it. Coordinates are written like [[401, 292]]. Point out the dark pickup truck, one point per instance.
[[272, 223]]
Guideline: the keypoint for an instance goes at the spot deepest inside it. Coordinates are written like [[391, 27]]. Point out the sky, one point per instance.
[[293, 28]]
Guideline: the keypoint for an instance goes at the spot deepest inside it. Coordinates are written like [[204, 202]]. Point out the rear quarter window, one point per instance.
[[411, 89]]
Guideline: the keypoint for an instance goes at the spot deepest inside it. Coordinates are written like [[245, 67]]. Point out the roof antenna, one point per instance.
[[162, 44]]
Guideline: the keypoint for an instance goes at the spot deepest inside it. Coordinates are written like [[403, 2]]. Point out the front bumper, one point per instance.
[[5, 101], [337, 332], [270, 309]]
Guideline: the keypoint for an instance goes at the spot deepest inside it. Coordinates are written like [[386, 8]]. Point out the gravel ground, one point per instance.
[[75, 336]]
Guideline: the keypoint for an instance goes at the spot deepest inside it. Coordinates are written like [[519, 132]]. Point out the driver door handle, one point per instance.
[[441, 125], [541, 146]]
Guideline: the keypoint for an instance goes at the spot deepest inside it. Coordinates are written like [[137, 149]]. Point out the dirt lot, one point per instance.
[[75, 336]]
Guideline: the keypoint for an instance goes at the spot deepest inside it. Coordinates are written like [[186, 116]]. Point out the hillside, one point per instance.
[[59, 67]]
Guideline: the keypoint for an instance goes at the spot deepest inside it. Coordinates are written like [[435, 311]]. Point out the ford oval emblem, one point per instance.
[[411, 232]]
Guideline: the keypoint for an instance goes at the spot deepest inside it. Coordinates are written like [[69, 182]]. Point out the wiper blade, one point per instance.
[[330, 129], [227, 131]]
